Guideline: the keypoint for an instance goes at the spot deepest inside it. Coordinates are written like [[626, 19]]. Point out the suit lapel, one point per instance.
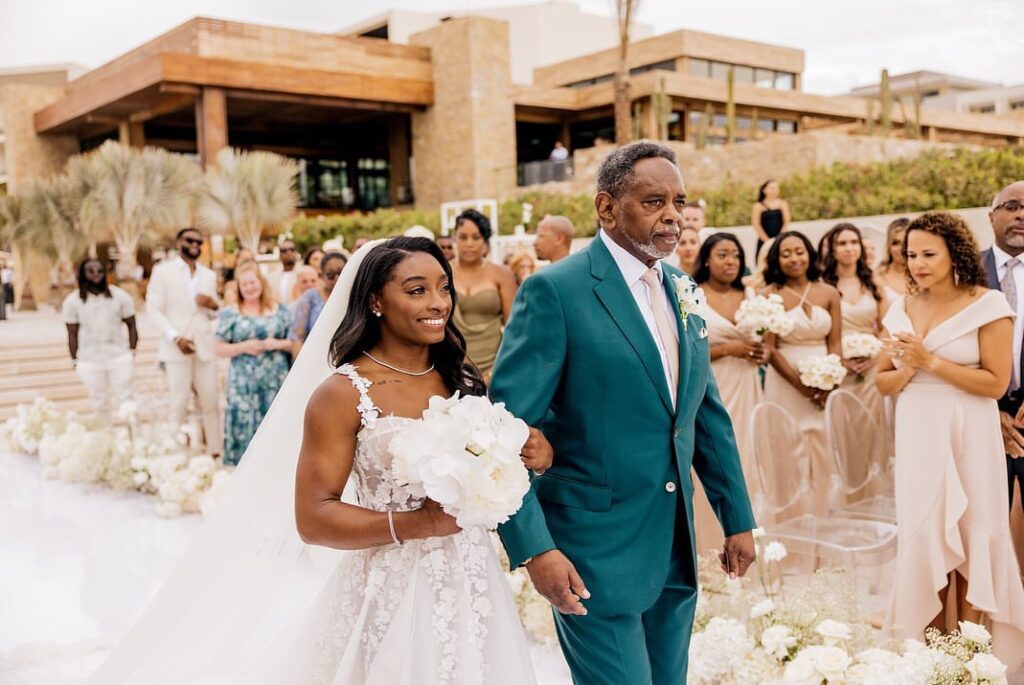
[[685, 353], [612, 292], [989, 257]]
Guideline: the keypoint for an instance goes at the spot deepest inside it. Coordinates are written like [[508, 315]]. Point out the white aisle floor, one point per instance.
[[78, 566]]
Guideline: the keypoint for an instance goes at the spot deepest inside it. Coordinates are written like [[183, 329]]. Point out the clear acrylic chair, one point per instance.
[[858, 545], [860, 449]]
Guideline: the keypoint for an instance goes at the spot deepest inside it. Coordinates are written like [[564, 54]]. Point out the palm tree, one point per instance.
[[249, 193], [137, 196], [625, 11], [52, 228]]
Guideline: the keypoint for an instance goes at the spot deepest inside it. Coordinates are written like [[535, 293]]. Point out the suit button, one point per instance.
[[670, 487], [675, 433]]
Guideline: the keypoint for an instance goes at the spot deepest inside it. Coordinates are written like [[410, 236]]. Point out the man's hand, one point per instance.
[[1013, 441], [738, 554], [537, 453], [206, 301], [555, 578], [185, 345]]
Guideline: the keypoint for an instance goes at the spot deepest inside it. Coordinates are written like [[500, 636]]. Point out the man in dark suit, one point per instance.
[[1004, 264]]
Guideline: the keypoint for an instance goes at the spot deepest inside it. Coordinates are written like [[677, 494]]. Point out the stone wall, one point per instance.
[[463, 145]]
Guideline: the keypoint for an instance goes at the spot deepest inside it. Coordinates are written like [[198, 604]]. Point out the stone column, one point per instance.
[[30, 157], [211, 124], [464, 145]]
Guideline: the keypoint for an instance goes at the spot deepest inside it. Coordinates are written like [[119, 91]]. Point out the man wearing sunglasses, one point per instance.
[[1003, 265], [181, 301], [283, 282]]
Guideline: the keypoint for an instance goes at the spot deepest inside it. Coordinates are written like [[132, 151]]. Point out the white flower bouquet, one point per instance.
[[861, 346], [762, 315], [465, 455], [821, 372]]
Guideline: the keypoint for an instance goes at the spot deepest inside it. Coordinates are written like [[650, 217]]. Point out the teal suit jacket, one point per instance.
[[578, 362]]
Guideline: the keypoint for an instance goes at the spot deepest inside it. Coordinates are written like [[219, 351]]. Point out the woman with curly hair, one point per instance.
[[947, 364], [862, 305]]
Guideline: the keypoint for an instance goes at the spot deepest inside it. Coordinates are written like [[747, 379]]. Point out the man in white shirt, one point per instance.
[[96, 315], [181, 301], [286, 284]]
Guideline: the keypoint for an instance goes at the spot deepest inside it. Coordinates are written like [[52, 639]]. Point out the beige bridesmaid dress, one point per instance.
[[951, 490], [740, 388], [807, 339]]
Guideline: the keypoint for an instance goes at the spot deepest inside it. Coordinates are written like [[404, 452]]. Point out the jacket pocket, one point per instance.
[[573, 493]]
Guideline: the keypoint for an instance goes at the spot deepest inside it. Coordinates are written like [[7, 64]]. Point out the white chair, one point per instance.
[[828, 542], [862, 487]]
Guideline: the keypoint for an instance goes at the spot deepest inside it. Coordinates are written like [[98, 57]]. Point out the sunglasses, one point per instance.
[[192, 241], [287, 249], [1012, 206]]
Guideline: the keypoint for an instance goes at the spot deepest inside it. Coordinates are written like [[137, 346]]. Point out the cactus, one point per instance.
[[869, 117], [753, 123], [886, 97], [662, 105], [730, 108], [636, 122], [700, 136]]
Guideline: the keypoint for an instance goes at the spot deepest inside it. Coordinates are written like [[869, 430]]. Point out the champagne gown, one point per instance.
[[740, 388], [951, 489], [807, 339], [478, 316]]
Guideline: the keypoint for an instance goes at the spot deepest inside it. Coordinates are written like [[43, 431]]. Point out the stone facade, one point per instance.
[[463, 145]]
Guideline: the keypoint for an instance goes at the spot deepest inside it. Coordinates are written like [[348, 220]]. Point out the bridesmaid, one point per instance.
[[948, 363], [485, 291], [734, 361], [892, 272], [862, 305], [814, 307]]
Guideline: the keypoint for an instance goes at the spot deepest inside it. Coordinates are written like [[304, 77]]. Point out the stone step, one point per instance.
[[66, 376]]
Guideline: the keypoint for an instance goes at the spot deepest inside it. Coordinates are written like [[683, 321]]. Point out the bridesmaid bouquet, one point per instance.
[[762, 315], [465, 455], [861, 346], [823, 372]]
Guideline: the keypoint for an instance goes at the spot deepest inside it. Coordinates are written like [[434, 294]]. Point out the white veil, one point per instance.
[[247, 575]]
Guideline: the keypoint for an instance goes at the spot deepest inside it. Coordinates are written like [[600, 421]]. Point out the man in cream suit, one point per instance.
[[182, 302]]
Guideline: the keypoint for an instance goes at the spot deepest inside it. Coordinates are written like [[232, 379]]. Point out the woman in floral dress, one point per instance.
[[254, 335]]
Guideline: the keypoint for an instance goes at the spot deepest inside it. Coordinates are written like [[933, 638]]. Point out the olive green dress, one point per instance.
[[478, 316]]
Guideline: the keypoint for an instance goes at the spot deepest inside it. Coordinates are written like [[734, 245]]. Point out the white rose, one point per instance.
[[986, 668], [830, 662], [833, 631], [762, 608], [774, 551], [777, 641], [973, 632], [140, 479], [758, 533], [800, 671]]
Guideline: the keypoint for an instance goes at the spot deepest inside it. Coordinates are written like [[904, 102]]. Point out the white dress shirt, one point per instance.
[[193, 280], [1018, 322], [632, 270]]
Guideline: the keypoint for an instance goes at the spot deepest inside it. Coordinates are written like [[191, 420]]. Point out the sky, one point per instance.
[[846, 44]]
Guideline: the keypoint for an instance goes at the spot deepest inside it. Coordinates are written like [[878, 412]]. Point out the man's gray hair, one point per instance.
[[616, 175]]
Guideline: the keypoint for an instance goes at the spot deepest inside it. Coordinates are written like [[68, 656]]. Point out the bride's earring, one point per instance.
[[376, 313]]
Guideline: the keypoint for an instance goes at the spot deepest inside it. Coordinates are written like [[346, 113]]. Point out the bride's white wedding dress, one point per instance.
[[427, 611]]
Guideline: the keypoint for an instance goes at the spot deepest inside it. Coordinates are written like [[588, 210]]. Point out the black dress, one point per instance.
[[771, 222]]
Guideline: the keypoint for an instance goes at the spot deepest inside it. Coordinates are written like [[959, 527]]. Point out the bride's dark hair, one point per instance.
[[360, 329]]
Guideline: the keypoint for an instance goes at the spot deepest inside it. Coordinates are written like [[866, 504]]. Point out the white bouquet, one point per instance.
[[465, 455], [762, 315], [822, 372], [861, 346]]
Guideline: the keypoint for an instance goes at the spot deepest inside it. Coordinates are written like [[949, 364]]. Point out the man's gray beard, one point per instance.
[[650, 250], [1015, 240]]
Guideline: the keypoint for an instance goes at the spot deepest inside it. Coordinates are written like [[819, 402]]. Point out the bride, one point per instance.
[[415, 599]]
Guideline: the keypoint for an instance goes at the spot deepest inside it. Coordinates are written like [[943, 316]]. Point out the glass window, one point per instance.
[[667, 65], [720, 71], [699, 67], [743, 123], [675, 126], [764, 78], [719, 120], [765, 124], [784, 80], [785, 126], [987, 108], [743, 74], [1017, 104]]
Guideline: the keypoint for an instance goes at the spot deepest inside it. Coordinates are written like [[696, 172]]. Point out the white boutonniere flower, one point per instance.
[[689, 297]]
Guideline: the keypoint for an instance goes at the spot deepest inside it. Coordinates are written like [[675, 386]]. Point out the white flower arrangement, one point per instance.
[[821, 372], [465, 455], [861, 346], [689, 298], [762, 315]]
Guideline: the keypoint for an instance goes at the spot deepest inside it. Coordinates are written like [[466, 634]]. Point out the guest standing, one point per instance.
[[254, 335], [308, 308], [950, 362], [862, 305], [734, 361], [770, 214], [284, 282], [554, 238], [447, 246], [892, 272], [181, 301], [242, 255], [815, 310], [306, 278], [96, 315], [314, 257], [522, 266], [485, 291]]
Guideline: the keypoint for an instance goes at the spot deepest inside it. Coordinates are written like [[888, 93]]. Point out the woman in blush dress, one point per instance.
[[814, 308], [734, 361], [947, 364], [892, 272], [862, 304]]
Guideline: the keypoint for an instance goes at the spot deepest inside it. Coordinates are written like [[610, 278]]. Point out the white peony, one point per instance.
[[777, 641], [821, 372], [830, 662], [800, 671], [861, 346], [834, 632], [975, 633], [762, 608], [985, 668], [774, 551], [762, 315], [718, 649]]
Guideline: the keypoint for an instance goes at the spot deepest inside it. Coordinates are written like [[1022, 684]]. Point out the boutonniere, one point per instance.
[[689, 297]]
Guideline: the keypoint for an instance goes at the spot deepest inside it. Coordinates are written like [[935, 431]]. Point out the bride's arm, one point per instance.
[[325, 462]]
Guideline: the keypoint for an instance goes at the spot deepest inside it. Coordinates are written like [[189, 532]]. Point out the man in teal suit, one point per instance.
[[602, 356]]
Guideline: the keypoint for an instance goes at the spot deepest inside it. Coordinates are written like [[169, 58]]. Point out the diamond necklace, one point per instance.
[[395, 368]]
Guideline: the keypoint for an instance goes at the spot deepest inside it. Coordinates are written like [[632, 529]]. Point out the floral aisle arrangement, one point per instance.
[[464, 455], [861, 346], [821, 372], [153, 458], [762, 315]]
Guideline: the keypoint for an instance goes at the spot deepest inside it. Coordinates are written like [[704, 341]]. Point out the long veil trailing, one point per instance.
[[247, 575]]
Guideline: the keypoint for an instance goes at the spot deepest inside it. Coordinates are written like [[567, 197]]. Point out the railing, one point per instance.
[[532, 173]]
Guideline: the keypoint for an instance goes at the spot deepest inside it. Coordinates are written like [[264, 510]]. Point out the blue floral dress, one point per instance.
[[253, 381]]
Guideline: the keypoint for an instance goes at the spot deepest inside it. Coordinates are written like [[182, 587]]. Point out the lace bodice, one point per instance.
[[375, 487]]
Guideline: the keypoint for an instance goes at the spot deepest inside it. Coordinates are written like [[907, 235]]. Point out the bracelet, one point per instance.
[[391, 527]]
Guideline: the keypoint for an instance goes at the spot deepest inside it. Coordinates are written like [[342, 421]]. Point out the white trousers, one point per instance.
[[109, 382], [190, 374]]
